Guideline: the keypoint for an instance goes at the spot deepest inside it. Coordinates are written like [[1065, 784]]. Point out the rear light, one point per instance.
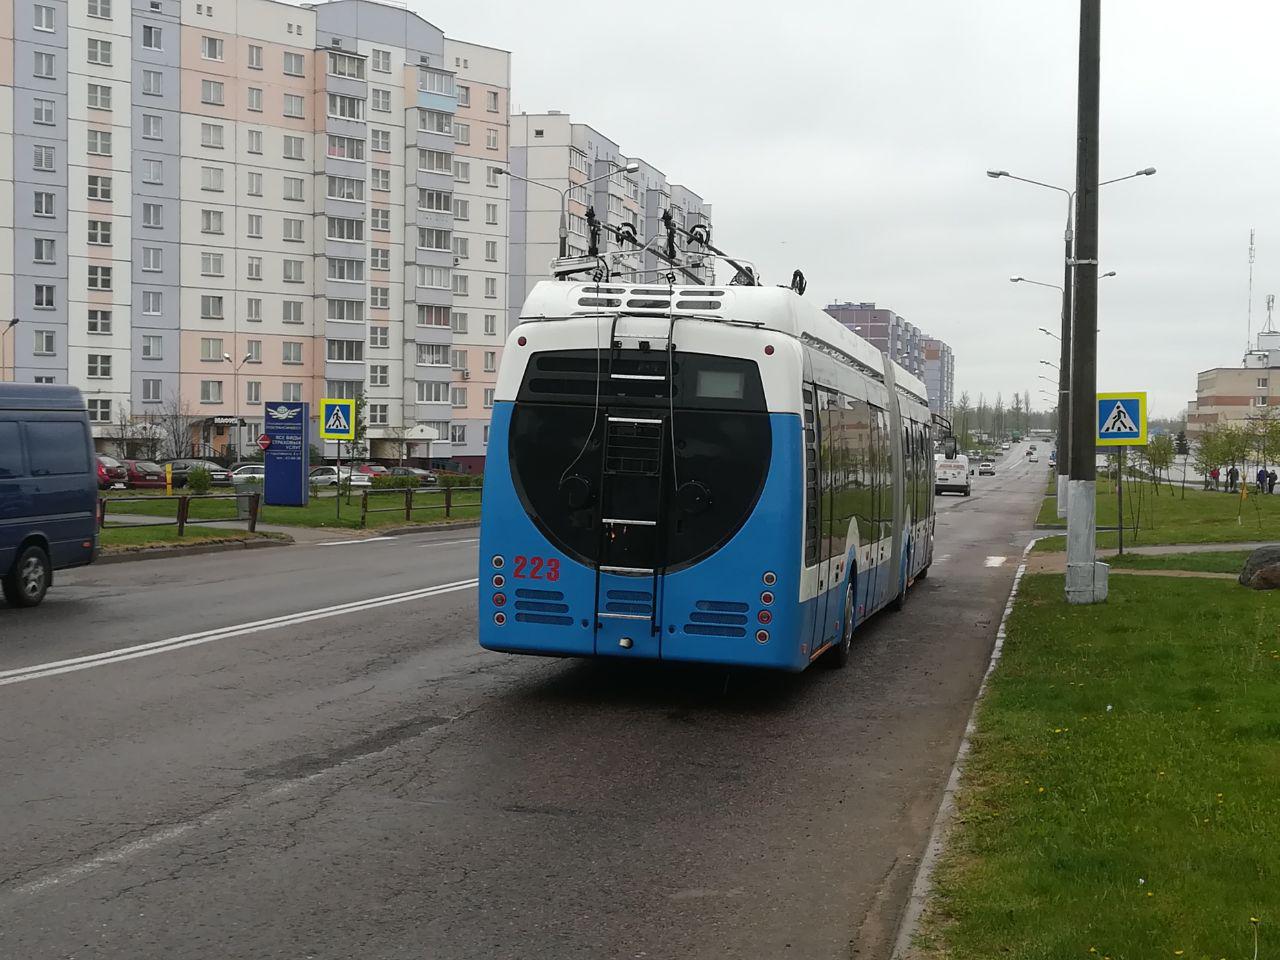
[[766, 598], [499, 599], [762, 636], [521, 341], [764, 616], [499, 618], [498, 561], [499, 580], [769, 578], [768, 350]]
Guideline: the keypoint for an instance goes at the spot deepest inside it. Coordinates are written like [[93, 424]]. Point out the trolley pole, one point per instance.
[[1086, 579]]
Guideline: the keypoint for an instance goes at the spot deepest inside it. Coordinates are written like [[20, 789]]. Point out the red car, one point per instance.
[[144, 473], [372, 469], [110, 472]]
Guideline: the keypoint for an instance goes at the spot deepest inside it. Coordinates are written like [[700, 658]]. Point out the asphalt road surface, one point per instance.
[[301, 752]]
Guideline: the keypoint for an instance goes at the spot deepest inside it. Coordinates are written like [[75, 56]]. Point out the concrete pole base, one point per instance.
[[1086, 578], [1062, 495]]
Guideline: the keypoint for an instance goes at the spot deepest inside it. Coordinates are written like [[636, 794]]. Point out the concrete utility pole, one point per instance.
[[1086, 579], [1064, 354]]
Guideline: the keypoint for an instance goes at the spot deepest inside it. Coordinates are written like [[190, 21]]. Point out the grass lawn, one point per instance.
[[1120, 797], [428, 506], [117, 539], [1226, 561], [1200, 517]]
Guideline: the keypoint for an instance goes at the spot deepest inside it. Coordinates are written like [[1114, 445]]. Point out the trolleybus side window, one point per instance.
[[827, 462], [884, 475], [810, 480]]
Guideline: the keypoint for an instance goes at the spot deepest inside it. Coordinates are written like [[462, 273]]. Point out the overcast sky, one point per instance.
[[850, 139]]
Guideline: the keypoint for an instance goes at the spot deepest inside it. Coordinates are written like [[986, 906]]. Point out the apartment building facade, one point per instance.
[[589, 168], [218, 205], [927, 357], [939, 375]]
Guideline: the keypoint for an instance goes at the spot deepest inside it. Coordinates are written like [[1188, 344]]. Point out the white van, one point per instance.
[[952, 476]]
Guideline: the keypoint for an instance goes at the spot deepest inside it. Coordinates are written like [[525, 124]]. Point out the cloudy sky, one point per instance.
[[850, 139]]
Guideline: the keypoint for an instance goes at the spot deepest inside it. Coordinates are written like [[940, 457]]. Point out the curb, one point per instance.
[[424, 528], [923, 883], [164, 553]]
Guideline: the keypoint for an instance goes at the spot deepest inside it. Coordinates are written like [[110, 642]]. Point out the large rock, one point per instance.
[[1262, 569]]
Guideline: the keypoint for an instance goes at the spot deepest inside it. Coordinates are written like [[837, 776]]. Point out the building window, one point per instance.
[[461, 209], [433, 121], [343, 389], [344, 351], [99, 52], [253, 187], [100, 9], [254, 142], [152, 302], [42, 110], [437, 277], [433, 392], [379, 375], [293, 105], [210, 264], [430, 238], [43, 65], [211, 136], [255, 57], [433, 316], [488, 398], [377, 414], [294, 64], [212, 91], [345, 228], [293, 188], [291, 311], [211, 178], [211, 48], [379, 258], [345, 107], [43, 18], [291, 352], [152, 259], [253, 100], [345, 188], [462, 171], [461, 284], [437, 200], [380, 100], [42, 204], [380, 218], [486, 434], [491, 251], [346, 311], [292, 229], [464, 95], [380, 297], [433, 355], [211, 307], [253, 226], [491, 287], [1262, 383], [1260, 401], [152, 347], [152, 82], [99, 278], [43, 250], [150, 391], [99, 366], [491, 101], [490, 138], [253, 309], [458, 360], [346, 269], [98, 97], [462, 133], [253, 391], [293, 271], [211, 349], [381, 61], [152, 171], [151, 127], [345, 148], [379, 336], [492, 176], [458, 433], [99, 143], [490, 361], [462, 247], [291, 392], [435, 81], [42, 158], [458, 397], [42, 298], [491, 214], [44, 380], [381, 178], [43, 343], [99, 232], [210, 391], [99, 411], [211, 221], [434, 161], [253, 351], [344, 65], [458, 321], [491, 324], [99, 321], [380, 140]]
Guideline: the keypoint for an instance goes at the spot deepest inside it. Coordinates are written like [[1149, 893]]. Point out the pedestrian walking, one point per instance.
[[1271, 481], [1233, 477], [1261, 478], [1213, 478]]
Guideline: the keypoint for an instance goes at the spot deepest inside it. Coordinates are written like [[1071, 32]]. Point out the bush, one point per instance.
[[199, 481], [388, 482], [459, 480]]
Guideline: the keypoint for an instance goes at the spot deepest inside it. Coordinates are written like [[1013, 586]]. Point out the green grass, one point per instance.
[[1224, 561], [1200, 517], [1120, 794], [117, 539], [428, 507]]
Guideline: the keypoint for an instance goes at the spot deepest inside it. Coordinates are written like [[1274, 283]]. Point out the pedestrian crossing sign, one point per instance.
[[1122, 419], [337, 419]]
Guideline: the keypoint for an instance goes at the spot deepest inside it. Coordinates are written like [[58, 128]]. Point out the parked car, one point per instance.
[[48, 481], [371, 469], [218, 475], [249, 470], [986, 469], [1005, 445], [425, 477], [328, 477], [1033, 459], [144, 474], [110, 472]]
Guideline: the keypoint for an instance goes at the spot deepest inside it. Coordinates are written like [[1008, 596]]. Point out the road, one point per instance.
[[301, 752]]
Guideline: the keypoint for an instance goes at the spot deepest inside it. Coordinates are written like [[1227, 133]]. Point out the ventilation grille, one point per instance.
[[633, 448], [629, 601], [542, 606], [652, 299], [717, 618]]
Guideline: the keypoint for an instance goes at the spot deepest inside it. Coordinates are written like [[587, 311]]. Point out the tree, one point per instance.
[[1159, 456], [173, 424], [357, 448], [1026, 408], [1015, 411], [961, 425]]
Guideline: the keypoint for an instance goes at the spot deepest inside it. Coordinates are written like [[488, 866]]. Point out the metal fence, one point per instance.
[[247, 511], [447, 501]]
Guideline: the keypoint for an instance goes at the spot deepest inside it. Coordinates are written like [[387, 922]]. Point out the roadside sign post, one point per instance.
[[338, 422], [1121, 421], [168, 479], [286, 454]]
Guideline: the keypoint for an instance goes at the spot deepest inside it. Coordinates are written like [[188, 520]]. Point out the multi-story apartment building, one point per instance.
[[1236, 395], [589, 169], [927, 357], [218, 205]]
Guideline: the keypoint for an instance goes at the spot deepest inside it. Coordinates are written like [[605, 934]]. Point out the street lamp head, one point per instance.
[[13, 323], [1016, 279], [633, 167], [499, 171], [226, 357], [247, 357], [997, 174], [1048, 364], [1146, 171], [1109, 273]]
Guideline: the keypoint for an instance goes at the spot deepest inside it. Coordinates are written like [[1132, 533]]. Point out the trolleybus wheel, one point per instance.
[[900, 601], [838, 655]]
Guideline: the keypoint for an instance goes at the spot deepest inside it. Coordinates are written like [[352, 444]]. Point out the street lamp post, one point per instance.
[[3, 334], [235, 401], [630, 167]]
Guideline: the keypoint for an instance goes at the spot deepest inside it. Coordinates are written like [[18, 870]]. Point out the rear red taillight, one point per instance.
[[762, 636], [499, 599], [499, 618], [766, 598], [764, 616]]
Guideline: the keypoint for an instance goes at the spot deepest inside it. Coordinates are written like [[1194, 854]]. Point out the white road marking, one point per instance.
[[54, 668], [449, 543], [339, 543], [994, 561]]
